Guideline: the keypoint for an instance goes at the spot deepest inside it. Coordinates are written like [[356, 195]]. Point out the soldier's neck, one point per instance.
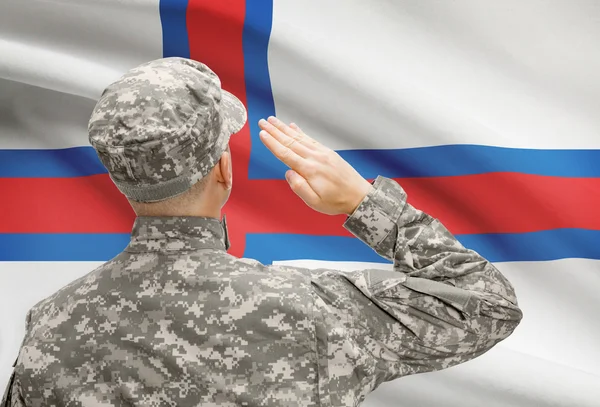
[[196, 210]]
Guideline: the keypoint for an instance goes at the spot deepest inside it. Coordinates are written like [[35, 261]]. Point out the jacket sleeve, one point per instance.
[[441, 305]]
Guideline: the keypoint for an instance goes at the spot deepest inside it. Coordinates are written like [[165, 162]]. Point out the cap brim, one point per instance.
[[233, 111]]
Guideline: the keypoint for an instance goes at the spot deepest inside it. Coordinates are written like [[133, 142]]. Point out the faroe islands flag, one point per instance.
[[487, 114]]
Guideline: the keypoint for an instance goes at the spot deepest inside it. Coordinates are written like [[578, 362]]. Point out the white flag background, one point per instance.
[[512, 89]]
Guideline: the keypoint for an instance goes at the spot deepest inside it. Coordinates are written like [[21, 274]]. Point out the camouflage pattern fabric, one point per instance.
[[163, 126], [176, 321]]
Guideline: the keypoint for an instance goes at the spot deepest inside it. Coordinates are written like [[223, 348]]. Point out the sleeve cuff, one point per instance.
[[378, 213]]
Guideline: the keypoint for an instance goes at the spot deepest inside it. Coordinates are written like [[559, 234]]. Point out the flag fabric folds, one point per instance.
[[487, 115]]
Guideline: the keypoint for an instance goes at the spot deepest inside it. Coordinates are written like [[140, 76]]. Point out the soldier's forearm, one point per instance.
[[422, 248], [450, 302]]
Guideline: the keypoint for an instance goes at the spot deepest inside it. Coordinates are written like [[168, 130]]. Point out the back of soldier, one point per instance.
[[174, 320], [154, 328]]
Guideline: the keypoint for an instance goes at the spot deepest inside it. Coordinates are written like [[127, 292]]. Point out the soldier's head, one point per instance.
[[162, 130]]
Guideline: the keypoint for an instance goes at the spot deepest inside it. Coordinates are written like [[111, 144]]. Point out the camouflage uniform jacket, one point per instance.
[[176, 321]]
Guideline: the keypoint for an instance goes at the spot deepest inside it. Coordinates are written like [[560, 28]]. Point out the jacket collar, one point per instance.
[[177, 233]]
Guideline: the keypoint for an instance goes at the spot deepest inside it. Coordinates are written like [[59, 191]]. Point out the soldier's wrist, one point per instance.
[[359, 197]]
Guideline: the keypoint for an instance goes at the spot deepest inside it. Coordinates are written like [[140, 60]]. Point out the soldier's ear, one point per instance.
[[224, 172]]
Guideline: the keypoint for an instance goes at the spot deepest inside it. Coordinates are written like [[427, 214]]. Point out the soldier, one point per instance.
[[174, 320]]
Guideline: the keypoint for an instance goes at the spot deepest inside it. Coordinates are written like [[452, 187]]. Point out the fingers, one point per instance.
[[299, 136], [284, 139], [301, 188], [283, 153], [308, 141], [290, 144]]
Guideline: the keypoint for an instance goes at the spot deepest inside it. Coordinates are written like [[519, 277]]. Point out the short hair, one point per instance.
[[171, 206], [176, 205]]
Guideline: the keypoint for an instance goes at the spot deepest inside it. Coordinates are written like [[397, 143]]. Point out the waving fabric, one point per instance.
[[487, 113]]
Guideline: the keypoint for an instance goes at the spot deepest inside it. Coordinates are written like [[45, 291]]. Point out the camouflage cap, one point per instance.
[[163, 126]]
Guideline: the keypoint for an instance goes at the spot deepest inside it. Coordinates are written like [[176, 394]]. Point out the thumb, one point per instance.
[[301, 188]]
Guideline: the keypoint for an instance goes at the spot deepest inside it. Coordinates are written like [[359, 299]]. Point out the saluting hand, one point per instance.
[[318, 175]]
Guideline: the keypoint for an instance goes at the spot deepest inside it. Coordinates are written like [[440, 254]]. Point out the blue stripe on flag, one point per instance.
[[259, 96], [450, 160], [174, 28], [61, 246], [68, 162], [535, 246]]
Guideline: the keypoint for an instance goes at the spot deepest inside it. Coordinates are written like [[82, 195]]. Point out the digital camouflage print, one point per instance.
[[176, 321], [163, 126]]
